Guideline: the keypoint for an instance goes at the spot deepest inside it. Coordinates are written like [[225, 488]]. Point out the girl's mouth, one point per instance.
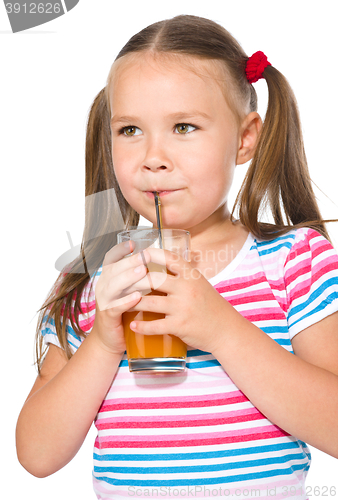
[[151, 194]]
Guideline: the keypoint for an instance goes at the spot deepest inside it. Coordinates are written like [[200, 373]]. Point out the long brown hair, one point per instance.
[[277, 179]]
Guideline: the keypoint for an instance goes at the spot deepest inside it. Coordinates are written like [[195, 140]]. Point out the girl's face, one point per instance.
[[173, 132]]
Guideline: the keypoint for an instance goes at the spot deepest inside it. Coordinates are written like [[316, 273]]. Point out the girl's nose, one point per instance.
[[153, 165], [156, 158]]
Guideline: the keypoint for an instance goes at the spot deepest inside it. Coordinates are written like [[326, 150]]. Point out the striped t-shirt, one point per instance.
[[196, 434]]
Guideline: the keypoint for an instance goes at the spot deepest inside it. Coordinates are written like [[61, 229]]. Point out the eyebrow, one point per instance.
[[187, 116], [179, 116], [123, 119]]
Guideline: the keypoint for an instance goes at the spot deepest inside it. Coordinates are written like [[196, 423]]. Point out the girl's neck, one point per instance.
[[214, 246], [216, 228]]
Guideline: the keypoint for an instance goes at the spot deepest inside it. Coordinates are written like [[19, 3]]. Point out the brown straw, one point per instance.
[[158, 217]]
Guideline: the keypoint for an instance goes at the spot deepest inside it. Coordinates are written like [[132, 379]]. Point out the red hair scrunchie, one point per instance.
[[255, 66]]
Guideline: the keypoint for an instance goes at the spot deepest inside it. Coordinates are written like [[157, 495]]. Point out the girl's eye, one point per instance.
[[184, 128], [131, 131]]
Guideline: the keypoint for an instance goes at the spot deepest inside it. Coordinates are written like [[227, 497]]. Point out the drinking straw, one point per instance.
[[158, 217]]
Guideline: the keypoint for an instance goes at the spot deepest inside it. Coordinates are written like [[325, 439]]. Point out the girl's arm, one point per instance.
[[62, 405], [299, 393]]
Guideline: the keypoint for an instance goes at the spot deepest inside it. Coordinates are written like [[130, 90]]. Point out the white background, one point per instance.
[[49, 77]]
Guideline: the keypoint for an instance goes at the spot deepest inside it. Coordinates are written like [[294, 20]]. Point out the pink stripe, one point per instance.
[[277, 285], [87, 324], [273, 285], [87, 307], [320, 247], [319, 270], [199, 416], [223, 382], [178, 420], [237, 284], [162, 441], [175, 402], [249, 297], [264, 316], [302, 289], [267, 491], [301, 270]]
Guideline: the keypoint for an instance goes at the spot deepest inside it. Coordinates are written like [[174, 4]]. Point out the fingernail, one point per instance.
[[132, 325], [138, 269], [128, 245]]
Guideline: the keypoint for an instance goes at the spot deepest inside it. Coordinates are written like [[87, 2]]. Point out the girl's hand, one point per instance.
[[195, 311], [117, 291]]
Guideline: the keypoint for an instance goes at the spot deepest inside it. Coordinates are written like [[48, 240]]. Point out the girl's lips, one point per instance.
[[161, 193]]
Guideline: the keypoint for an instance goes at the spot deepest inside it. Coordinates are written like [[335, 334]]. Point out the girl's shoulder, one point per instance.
[[85, 317], [300, 258], [294, 242], [294, 253]]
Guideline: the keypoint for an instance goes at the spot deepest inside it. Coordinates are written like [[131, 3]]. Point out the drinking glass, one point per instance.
[[154, 353]]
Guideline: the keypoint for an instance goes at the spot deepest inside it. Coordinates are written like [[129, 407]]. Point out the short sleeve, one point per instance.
[[86, 318], [311, 280]]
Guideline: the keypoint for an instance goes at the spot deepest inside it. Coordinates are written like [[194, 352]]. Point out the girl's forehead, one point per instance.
[[160, 85], [206, 76], [137, 63]]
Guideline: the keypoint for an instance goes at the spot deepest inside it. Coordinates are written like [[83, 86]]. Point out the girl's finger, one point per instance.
[[153, 303], [109, 290], [124, 264], [119, 251], [162, 282], [168, 259], [154, 327], [127, 282], [119, 305]]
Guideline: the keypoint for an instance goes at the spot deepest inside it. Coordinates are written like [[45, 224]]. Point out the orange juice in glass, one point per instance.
[[154, 353]]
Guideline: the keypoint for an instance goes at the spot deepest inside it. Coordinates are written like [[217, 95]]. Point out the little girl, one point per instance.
[[257, 305]]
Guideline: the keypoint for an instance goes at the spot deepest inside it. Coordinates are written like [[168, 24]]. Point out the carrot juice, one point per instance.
[[150, 346], [154, 353]]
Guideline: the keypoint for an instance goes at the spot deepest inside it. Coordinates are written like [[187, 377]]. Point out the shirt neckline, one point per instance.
[[224, 273]]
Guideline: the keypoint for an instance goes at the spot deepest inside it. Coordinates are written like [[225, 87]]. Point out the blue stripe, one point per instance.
[[275, 329], [320, 307], [97, 272], [51, 320], [332, 282], [197, 352], [284, 238], [200, 468], [69, 329], [275, 248], [315, 294], [200, 455], [203, 364], [276, 244], [206, 481], [305, 449], [48, 331]]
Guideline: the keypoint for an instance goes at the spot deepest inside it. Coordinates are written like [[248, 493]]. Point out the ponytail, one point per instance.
[[278, 177]]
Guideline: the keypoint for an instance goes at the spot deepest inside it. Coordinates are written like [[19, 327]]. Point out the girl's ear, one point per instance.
[[249, 135]]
